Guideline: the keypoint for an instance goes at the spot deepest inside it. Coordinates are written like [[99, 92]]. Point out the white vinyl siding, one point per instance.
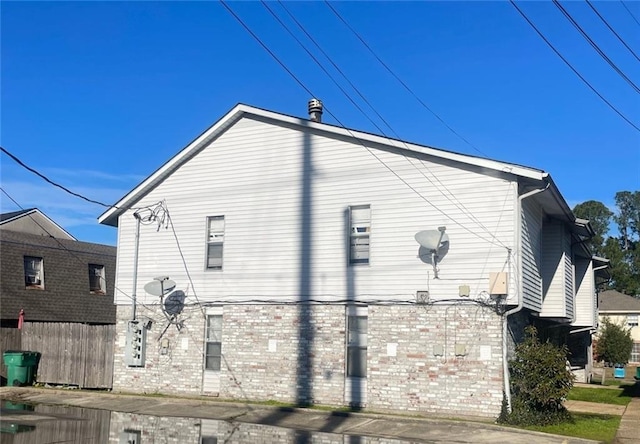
[[254, 175], [585, 306], [557, 276], [531, 232]]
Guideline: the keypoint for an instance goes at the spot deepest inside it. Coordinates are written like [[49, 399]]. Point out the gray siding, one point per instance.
[[531, 232]]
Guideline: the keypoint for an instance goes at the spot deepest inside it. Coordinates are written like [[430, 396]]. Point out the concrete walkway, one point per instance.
[[413, 429], [629, 430]]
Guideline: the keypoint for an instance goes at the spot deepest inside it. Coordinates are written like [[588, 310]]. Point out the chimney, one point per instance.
[[315, 110]]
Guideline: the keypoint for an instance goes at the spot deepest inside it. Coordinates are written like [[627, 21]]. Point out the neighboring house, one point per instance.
[[61, 285], [282, 264], [623, 310]]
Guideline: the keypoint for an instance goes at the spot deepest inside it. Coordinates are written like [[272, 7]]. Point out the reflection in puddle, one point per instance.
[[42, 424]]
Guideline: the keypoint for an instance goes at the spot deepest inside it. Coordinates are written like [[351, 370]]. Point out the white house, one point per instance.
[[623, 310], [285, 252]]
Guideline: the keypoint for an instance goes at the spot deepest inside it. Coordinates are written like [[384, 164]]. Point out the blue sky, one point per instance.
[[97, 95]]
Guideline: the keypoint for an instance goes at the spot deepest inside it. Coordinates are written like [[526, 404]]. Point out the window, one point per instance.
[[357, 345], [360, 227], [635, 352], [97, 282], [214, 342], [632, 320], [33, 272], [215, 239]]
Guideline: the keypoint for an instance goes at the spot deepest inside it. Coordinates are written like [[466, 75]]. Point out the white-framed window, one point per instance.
[[635, 352], [632, 320], [97, 279], [357, 327], [33, 272], [215, 241], [359, 234], [213, 356]]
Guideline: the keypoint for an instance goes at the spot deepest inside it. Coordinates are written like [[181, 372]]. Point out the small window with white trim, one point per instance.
[[632, 320], [360, 230], [215, 241], [213, 356], [357, 330], [97, 282], [33, 272]]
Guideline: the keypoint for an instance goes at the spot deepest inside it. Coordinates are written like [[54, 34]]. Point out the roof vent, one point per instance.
[[315, 110]]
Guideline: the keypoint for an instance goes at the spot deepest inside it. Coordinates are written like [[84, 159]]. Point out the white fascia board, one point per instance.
[[109, 217]]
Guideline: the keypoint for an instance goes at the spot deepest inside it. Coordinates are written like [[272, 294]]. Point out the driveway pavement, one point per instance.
[[417, 430]]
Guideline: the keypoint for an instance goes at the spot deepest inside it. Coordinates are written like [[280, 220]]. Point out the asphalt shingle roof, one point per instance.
[[66, 296], [612, 301]]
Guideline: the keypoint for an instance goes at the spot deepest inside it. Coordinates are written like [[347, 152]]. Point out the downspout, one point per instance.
[[517, 308], [135, 265]]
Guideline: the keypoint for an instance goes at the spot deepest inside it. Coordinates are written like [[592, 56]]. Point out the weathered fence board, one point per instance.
[[10, 339], [72, 354]]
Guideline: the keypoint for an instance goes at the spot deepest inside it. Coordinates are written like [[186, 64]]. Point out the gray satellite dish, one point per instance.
[[160, 287], [174, 304], [432, 240], [436, 242]]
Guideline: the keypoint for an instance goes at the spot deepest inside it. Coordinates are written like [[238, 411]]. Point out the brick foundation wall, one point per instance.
[[444, 359]]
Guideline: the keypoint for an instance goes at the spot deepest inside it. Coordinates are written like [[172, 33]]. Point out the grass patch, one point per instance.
[[585, 425], [602, 396]]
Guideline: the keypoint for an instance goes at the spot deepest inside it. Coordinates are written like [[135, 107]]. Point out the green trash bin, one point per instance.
[[21, 367], [637, 377]]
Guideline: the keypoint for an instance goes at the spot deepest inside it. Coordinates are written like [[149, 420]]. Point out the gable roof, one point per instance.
[[30, 215], [66, 295], [538, 178], [14, 215], [614, 301]]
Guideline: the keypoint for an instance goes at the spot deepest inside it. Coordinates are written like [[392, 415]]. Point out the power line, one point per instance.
[[453, 199], [282, 64], [630, 13], [595, 46], [63, 247], [612, 30], [46, 179], [424, 105], [571, 66]]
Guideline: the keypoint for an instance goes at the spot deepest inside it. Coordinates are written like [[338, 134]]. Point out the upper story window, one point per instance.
[[632, 320], [33, 272], [360, 229], [215, 241], [97, 280]]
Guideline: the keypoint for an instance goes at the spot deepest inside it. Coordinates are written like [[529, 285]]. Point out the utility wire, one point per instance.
[[451, 199], [64, 247], [593, 8], [595, 46], [424, 105], [571, 66], [630, 13], [328, 111], [46, 179]]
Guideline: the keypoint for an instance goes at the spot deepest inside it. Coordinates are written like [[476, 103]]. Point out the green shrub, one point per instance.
[[540, 381]]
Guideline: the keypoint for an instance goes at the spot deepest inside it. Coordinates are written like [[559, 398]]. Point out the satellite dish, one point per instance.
[[160, 287], [174, 304], [432, 240]]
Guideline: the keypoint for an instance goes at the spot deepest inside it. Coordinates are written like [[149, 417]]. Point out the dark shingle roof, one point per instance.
[[66, 296], [612, 301], [13, 214]]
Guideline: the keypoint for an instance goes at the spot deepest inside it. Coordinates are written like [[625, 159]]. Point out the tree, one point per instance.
[[540, 381], [623, 250], [614, 343], [600, 217]]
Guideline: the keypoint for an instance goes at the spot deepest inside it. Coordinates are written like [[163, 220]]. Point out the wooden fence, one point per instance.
[[71, 354], [10, 339]]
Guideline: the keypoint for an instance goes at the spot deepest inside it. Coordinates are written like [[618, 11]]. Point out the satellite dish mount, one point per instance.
[[436, 242]]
